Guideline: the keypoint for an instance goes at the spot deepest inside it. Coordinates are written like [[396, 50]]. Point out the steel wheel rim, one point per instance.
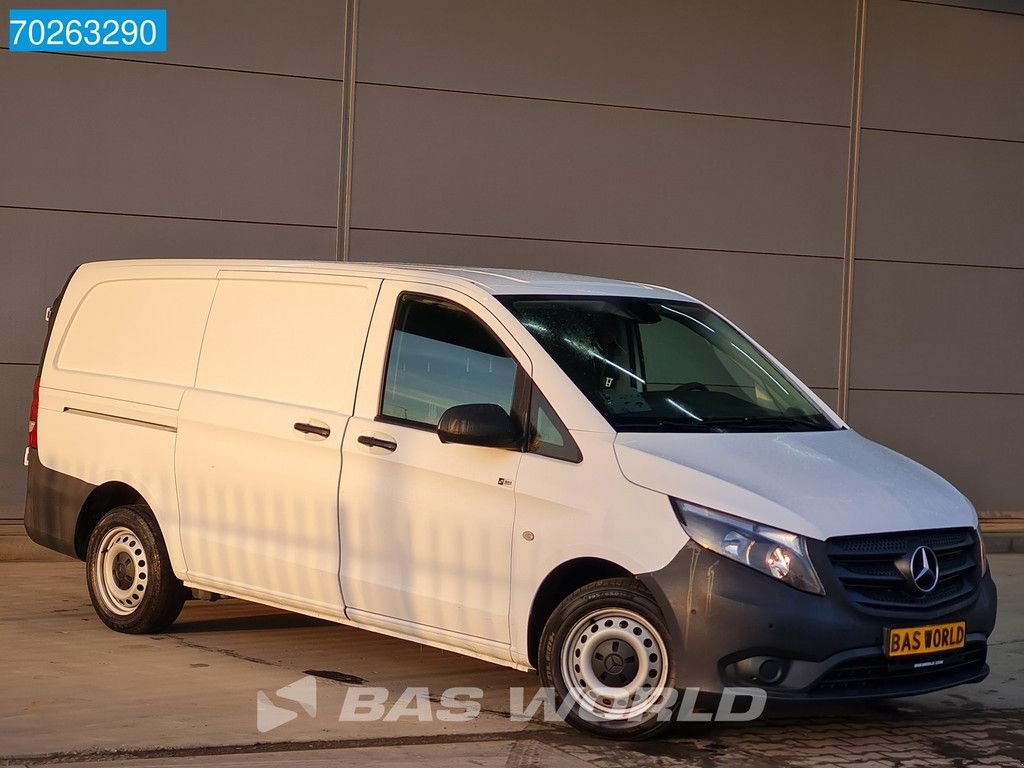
[[121, 571], [614, 664]]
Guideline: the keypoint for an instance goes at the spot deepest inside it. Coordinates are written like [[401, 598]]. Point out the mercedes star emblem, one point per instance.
[[924, 570]]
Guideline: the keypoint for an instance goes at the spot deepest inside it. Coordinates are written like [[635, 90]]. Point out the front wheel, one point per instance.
[[131, 584], [605, 652]]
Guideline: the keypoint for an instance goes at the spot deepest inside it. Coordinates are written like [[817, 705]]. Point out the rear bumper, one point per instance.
[[727, 620], [52, 504]]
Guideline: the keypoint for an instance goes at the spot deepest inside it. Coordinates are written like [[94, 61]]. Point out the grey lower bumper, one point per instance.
[[52, 506], [727, 620]]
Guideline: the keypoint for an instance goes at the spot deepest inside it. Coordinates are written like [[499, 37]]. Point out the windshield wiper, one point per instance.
[[667, 423], [815, 423]]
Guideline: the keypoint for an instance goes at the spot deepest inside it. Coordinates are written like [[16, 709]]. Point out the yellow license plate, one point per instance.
[[932, 638]]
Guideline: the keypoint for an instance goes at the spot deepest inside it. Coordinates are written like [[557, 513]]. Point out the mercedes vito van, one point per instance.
[[605, 481]]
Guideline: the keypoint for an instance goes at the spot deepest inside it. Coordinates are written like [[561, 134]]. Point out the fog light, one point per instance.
[[778, 561], [758, 670], [770, 671]]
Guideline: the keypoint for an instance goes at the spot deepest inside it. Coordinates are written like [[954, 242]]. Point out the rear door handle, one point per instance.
[[312, 429], [376, 442]]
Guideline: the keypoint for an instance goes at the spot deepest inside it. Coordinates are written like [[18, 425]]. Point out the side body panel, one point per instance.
[[566, 511], [99, 420], [258, 494]]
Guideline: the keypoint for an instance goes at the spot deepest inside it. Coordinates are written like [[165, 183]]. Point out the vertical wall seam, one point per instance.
[[348, 107], [850, 221]]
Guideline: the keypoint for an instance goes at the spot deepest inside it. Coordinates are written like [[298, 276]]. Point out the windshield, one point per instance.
[[653, 365]]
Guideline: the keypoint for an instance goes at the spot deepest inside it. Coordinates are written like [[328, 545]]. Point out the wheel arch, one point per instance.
[[558, 585], [101, 500]]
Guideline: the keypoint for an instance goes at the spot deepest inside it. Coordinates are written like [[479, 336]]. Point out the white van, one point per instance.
[[604, 481]]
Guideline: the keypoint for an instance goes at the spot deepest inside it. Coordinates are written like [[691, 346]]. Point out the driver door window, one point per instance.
[[440, 356]]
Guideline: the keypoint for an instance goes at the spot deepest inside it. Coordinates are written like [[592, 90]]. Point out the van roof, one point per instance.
[[493, 280]]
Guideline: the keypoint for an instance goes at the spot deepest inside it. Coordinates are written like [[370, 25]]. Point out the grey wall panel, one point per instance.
[[935, 198], [15, 398], [971, 440], [927, 327], [98, 134], [253, 35], [41, 247], [786, 303], [944, 70], [789, 59], [445, 162]]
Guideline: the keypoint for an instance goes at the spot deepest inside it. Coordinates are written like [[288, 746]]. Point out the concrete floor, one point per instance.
[[73, 691]]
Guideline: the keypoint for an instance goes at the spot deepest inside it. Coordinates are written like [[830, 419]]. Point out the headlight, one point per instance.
[[779, 554]]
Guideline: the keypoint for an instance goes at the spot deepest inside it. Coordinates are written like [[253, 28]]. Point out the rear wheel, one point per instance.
[[605, 652], [131, 584]]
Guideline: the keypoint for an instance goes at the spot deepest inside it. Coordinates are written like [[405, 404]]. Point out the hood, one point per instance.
[[819, 484]]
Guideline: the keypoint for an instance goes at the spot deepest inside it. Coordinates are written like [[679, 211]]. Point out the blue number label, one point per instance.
[[87, 30]]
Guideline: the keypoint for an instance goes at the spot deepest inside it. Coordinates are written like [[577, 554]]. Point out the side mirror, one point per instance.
[[483, 424]]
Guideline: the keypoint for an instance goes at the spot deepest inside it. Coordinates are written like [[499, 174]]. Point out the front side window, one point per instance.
[[440, 356], [665, 365], [548, 435]]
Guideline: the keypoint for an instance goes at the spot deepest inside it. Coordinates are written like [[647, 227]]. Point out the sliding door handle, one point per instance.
[[313, 429], [376, 442]]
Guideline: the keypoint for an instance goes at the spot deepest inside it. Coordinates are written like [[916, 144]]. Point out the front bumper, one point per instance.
[[726, 620]]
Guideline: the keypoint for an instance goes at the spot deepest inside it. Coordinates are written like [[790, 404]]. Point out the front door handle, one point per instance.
[[376, 442], [312, 429]]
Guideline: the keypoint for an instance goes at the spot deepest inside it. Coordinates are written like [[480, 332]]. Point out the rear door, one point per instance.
[[426, 527], [259, 437]]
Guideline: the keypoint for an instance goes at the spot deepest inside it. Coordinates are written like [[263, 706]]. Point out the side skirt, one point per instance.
[[383, 625]]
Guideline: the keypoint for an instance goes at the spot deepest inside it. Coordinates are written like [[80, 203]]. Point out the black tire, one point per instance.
[[131, 584], [614, 610]]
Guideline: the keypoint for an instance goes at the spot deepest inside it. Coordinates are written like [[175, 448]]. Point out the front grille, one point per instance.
[[878, 675], [866, 567]]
